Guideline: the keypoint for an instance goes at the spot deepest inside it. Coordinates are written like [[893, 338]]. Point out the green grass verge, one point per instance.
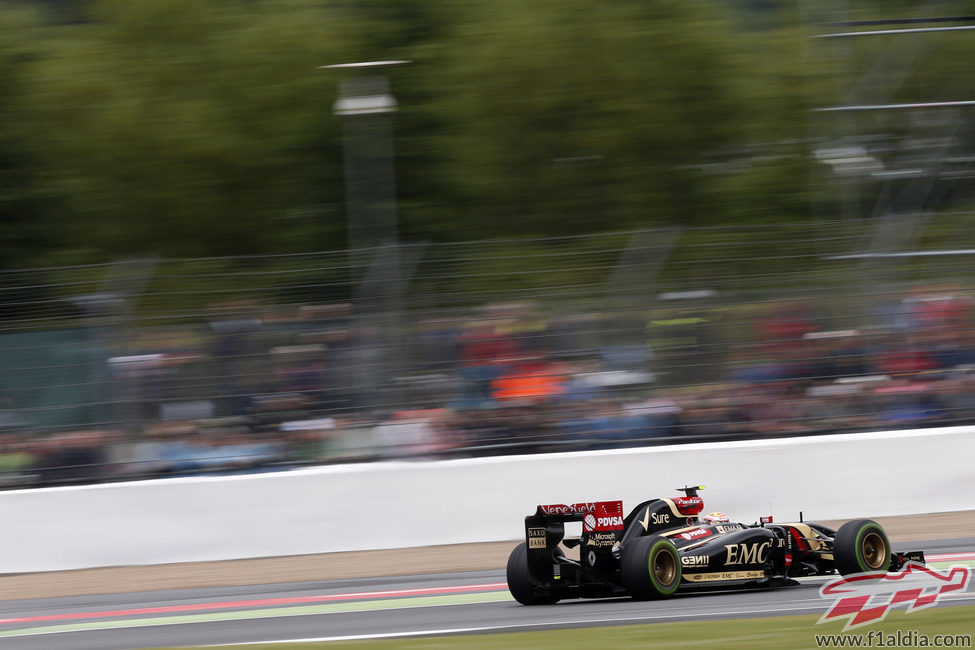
[[759, 633]]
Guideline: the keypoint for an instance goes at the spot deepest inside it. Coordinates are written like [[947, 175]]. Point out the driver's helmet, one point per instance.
[[715, 518]]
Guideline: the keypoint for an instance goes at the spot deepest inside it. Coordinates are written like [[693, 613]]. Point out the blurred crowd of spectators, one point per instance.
[[265, 389]]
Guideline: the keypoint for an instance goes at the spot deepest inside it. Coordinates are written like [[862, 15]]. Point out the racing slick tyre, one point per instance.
[[861, 546], [520, 583], [651, 568]]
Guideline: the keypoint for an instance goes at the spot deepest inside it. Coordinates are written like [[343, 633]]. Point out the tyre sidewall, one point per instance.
[[520, 582], [637, 566], [848, 551]]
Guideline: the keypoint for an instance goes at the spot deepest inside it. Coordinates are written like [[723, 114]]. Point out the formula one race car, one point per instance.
[[662, 547]]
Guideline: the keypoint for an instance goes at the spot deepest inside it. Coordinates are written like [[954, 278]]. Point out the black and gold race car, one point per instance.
[[663, 546]]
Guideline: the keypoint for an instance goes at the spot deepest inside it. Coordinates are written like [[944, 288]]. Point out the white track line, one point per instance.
[[813, 604], [496, 628]]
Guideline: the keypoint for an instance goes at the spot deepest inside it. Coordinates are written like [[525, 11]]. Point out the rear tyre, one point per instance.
[[520, 583], [861, 546], [651, 568]]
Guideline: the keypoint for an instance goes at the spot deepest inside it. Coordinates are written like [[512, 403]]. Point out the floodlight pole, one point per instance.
[[365, 105]]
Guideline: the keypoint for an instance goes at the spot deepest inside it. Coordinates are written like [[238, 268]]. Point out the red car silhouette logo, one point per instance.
[[867, 597]]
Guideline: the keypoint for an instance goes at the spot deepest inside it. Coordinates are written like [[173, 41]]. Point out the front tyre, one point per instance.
[[520, 583], [861, 546], [651, 568]]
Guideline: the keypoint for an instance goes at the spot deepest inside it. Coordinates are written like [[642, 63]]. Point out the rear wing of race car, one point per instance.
[[602, 529], [601, 520]]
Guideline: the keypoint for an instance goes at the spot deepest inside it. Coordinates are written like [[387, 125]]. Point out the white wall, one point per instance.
[[402, 504]]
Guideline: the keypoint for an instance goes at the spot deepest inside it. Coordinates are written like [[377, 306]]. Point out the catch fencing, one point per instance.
[[149, 367]]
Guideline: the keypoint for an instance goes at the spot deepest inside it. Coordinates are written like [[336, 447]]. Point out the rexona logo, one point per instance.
[[866, 598], [754, 553]]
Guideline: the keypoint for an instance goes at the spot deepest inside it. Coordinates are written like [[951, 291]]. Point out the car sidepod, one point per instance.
[[729, 555]]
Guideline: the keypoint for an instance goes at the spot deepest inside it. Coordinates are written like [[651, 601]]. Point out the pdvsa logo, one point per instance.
[[695, 534], [591, 522]]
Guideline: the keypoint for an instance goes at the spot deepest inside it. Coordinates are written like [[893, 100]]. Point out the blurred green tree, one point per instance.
[[572, 117], [26, 211], [192, 127], [202, 127]]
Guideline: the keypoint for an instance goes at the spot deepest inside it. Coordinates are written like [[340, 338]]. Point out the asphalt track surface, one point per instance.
[[431, 605]]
